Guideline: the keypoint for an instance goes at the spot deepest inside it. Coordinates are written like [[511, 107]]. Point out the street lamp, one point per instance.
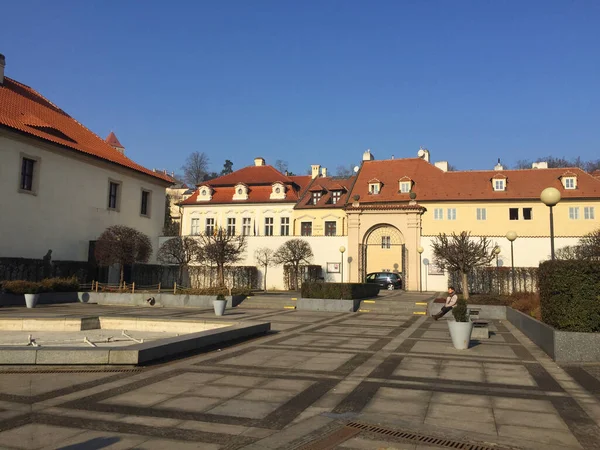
[[511, 236], [497, 251], [420, 250], [550, 197], [342, 250]]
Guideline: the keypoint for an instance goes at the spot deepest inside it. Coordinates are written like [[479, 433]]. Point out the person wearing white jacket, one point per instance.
[[450, 302]]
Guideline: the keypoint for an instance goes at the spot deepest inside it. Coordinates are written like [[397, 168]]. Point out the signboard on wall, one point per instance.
[[333, 267], [434, 269]]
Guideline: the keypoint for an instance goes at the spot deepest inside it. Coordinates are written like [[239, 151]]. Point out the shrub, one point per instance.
[[215, 291], [570, 295], [347, 291], [60, 285], [220, 297], [460, 311], [20, 287]]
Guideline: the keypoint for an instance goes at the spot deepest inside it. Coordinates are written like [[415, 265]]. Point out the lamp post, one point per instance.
[[342, 250], [550, 197], [497, 251], [511, 236], [420, 250]]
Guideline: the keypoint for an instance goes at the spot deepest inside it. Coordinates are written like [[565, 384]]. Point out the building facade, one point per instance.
[[63, 185]]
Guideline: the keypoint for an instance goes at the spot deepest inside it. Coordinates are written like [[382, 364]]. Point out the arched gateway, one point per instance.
[[382, 250]]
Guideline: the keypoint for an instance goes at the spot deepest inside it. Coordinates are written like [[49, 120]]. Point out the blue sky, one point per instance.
[[318, 82]]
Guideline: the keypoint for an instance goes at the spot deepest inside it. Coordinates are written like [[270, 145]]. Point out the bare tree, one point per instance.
[[523, 164], [460, 253], [592, 166], [122, 245], [281, 165], [568, 252], [181, 251], [222, 249], [195, 168], [264, 258], [293, 253], [344, 171]]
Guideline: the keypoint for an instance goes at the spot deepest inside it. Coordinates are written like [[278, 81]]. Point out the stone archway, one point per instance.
[[382, 250]]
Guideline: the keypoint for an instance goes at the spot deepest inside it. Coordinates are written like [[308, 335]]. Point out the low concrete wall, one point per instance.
[[541, 334], [44, 299], [490, 312], [325, 304], [160, 300]]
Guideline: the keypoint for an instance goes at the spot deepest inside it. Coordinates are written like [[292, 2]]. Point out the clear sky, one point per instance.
[[318, 82]]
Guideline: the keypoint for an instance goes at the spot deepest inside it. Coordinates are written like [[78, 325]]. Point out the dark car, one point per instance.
[[386, 280]]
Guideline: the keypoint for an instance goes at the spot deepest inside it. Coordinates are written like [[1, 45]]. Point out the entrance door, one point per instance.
[[383, 251]]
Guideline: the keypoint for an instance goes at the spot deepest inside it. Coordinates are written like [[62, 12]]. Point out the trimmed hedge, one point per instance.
[[570, 295], [214, 291], [20, 287], [347, 291]]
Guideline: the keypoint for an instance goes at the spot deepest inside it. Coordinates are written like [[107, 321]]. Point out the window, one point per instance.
[[246, 224], [574, 212], [451, 213], [513, 213], [195, 227], [113, 195], [316, 196], [27, 174], [481, 214], [231, 226], [589, 213], [405, 187], [330, 228], [285, 226], [438, 214], [386, 242], [336, 196], [570, 183], [499, 185], [145, 207], [268, 226], [306, 228], [527, 214], [209, 229], [374, 188]]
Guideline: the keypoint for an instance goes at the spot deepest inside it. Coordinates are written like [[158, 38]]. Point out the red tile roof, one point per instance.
[[327, 185], [113, 141], [252, 175], [26, 111], [433, 184]]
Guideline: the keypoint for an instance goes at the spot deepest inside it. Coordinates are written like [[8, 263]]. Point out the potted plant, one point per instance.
[[32, 293], [461, 327], [219, 305]]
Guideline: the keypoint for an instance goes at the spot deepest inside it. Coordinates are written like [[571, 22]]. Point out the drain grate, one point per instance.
[[420, 438]]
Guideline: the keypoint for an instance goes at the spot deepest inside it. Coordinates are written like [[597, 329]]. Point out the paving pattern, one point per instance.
[[320, 380]]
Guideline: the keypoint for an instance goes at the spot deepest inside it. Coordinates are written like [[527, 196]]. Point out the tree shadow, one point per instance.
[[93, 444]]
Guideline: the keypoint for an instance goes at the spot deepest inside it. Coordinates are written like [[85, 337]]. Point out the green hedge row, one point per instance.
[[348, 291], [570, 294], [20, 287]]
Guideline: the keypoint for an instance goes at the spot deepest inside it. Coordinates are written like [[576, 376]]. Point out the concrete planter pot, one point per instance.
[[219, 306], [460, 332], [31, 300]]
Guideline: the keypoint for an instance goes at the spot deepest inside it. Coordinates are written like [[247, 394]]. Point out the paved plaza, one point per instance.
[[318, 381]]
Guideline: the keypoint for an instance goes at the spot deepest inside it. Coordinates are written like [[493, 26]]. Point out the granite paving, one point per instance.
[[319, 380]]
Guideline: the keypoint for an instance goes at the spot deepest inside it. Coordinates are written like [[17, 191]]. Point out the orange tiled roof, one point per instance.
[[26, 111], [113, 141], [433, 184], [327, 185]]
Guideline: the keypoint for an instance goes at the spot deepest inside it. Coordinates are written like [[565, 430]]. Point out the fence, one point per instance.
[[307, 273], [38, 269], [497, 280]]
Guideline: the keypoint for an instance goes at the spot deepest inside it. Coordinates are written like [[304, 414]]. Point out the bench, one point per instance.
[[481, 329]]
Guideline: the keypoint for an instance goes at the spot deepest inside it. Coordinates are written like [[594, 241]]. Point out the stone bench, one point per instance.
[[481, 329]]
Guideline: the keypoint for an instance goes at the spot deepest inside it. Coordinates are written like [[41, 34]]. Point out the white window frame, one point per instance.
[[246, 226], [231, 226], [195, 227], [499, 184], [451, 213], [269, 226], [209, 224], [574, 212], [315, 197], [589, 213], [285, 226], [374, 188], [336, 197], [405, 187], [438, 214], [481, 214], [570, 182]]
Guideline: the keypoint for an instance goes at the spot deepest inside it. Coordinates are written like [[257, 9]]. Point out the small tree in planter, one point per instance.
[[264, 258], [461, 327], [122, 245], [181, 250], [294, 253], [460, 253]]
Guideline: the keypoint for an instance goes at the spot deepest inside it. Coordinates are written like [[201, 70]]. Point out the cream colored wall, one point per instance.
[[70, 207], [384, 259], [257, 212], [318, 217], [498, 223], [175, 196]]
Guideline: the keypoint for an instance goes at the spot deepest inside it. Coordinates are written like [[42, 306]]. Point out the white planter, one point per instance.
[[460, 332], [31, 300], [219, 306]]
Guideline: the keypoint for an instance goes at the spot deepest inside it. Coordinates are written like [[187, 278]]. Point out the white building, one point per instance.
[[62, 185]]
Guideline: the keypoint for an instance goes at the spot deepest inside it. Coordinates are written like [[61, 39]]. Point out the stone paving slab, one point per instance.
[[306, 382]]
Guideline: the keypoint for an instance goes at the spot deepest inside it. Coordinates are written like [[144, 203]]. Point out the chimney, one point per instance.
[[540, 165], [367, 156], [315, 170], [323, 171], [259, 161], [2, 66], [443, 165], [498, 166]]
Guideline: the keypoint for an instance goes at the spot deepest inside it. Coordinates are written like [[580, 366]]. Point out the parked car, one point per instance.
[[386, 280]]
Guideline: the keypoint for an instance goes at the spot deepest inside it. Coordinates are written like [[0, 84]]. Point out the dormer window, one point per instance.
[[336, 196], [405, 187], [204, 193], [277, 191], [499, 183], [374, 186], [316, 196], [240, 192], [569, 182]]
